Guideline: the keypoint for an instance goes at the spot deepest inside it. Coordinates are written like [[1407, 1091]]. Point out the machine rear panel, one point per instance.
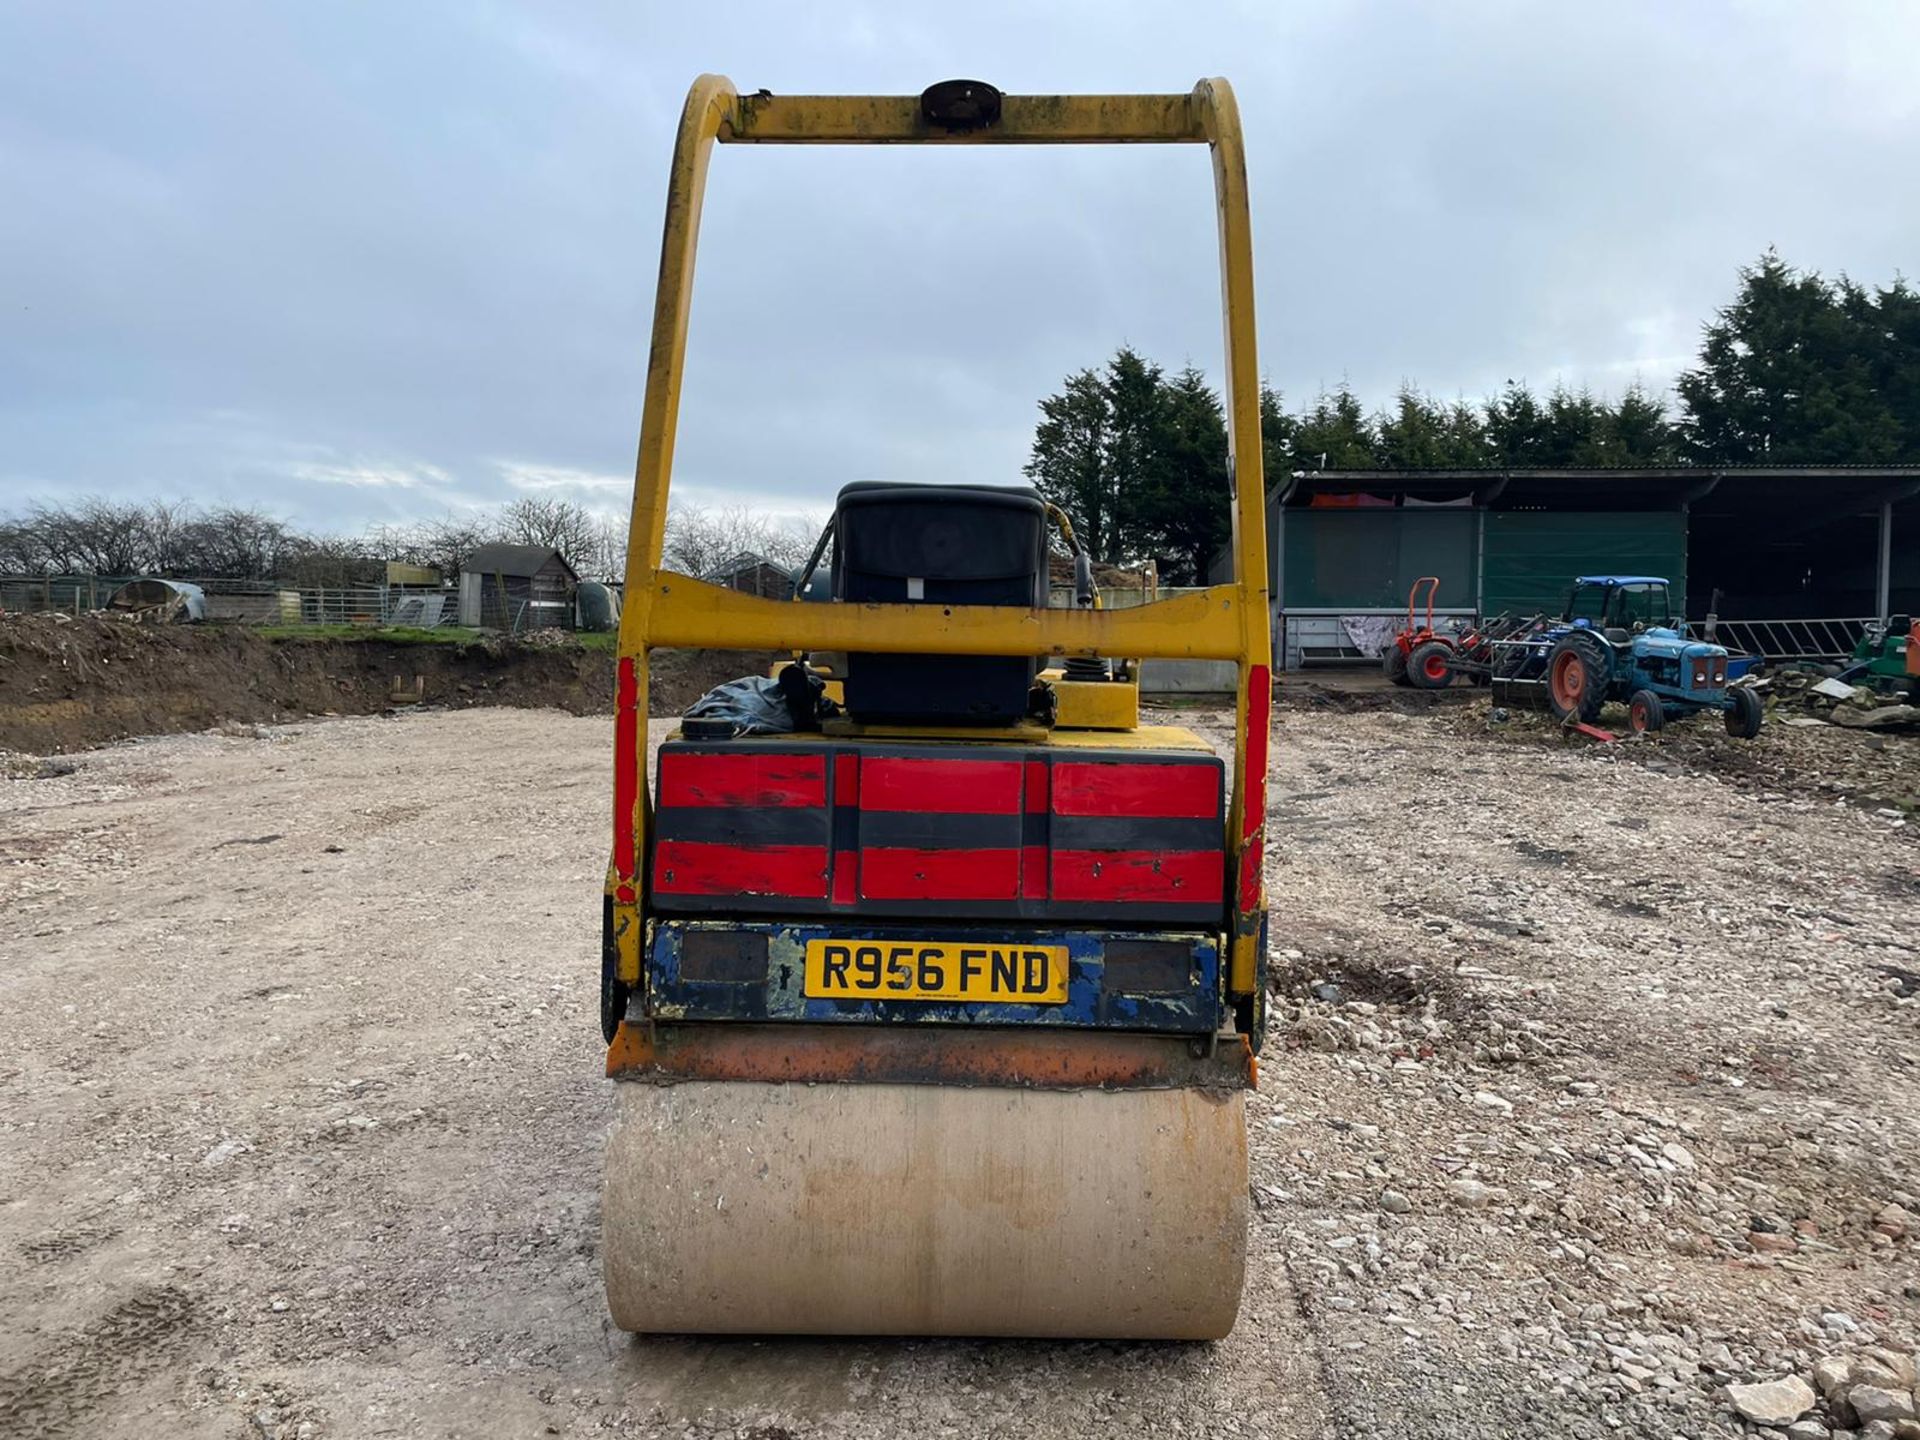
[[1016, 832]]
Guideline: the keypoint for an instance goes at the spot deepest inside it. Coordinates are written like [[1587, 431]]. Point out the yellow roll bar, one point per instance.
[[1225, 622]]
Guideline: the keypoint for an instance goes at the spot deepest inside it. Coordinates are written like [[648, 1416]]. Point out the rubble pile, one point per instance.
[[1459, 1149], [1593, 1070], [1865, 1392], [1794, 756], [1800, 695]]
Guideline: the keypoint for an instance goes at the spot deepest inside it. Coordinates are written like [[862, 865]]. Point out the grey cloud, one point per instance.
[[356, 262]]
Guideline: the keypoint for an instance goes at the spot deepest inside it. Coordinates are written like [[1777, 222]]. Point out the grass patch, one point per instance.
[[605, 641], [393, 635]]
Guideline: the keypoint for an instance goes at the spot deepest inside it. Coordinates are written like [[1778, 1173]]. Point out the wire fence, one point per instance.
[[264, 602], [245, 602], [69, 594]]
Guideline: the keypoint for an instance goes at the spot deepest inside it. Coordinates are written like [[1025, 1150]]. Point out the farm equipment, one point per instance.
[[1418, 635], [937, 1016], [1471, 653], [1426, 657], [1887, 659], [1618, 640]]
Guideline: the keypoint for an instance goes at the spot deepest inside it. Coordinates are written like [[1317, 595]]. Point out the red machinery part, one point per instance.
[[803, 828]]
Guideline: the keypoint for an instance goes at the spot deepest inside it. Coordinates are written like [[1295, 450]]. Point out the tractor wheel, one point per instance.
[[1394, 663], [1744, 715], [1430, 667], [1645, 713], [1577, 679]]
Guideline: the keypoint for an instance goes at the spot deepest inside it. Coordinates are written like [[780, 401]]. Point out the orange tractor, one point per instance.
[[1427, 658]]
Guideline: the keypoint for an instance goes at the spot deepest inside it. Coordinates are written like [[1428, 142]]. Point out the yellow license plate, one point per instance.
[[936, 970]]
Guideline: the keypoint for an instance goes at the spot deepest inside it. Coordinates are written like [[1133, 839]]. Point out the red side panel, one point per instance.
[[626, 778], [1142, 790], [1134, 877], [1253, 817], [693, 867], [940, 787], [743, 778], [1016, 832], [939, 874]]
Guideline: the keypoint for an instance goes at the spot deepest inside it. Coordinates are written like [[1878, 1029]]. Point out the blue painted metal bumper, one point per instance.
[[772, 988]]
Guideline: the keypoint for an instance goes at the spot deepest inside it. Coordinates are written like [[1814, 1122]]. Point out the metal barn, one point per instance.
[[1791, 560]]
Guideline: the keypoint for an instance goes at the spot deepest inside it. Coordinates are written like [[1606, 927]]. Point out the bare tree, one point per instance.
[[394, 542], [610, 548], [237, 543], [788, 539], [441, 544], [332, 560], [100, 537], [700, 541], [21, 552], [566, 525], [167, 535], [92, 536]]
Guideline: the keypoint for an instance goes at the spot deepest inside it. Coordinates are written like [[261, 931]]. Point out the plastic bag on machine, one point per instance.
[[759, 705]]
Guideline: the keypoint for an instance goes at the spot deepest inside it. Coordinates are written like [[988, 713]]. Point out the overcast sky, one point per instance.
[[358, 262]]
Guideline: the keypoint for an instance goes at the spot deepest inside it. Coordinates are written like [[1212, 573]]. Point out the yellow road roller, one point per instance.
[[933, 1011]]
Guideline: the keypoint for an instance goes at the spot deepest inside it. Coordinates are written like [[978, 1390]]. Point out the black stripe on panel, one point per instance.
[[934, 911], [739, 825], [846, 818], [1124, 832], [899, 830]]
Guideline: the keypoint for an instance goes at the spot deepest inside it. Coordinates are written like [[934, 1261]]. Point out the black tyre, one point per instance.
[[1578, 670], [614, 992], [1430, 667], [1744, 715], [1645, 713], [1393, 663]]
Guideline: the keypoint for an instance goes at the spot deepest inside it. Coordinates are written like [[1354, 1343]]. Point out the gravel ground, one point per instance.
[[1587, 1096]]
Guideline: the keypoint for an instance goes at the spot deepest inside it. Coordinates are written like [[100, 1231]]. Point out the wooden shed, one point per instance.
[[753, 573], [517, 588]]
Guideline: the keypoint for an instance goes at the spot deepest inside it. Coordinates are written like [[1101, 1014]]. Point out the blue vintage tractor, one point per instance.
[[1620, 640]]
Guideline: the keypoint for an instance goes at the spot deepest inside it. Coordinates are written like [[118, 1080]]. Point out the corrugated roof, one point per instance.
[[1896, 468], [515, 560], [1829, 487]]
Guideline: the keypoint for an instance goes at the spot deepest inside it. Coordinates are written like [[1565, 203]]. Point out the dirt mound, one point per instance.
[[1355, 699], [72, 684], [677, 678], [1873, 770]]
